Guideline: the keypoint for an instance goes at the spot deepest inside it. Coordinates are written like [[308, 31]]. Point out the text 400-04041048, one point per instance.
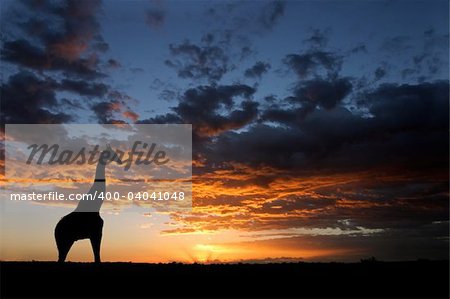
[[156, 196], [142, 196]]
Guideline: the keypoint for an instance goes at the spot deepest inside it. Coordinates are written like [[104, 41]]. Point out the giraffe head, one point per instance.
[[109, 155]]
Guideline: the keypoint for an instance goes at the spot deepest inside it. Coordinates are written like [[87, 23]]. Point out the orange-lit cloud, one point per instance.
[[133, 116], [257, 199]]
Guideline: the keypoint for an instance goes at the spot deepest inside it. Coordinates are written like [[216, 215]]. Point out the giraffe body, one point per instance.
[[77, 226]]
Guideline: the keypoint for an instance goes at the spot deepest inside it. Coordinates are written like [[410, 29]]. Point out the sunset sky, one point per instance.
[[320, 128]]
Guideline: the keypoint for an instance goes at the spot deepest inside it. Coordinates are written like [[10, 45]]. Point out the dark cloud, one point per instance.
[[169, 118], [227, 41], [27, 99], [257, 70], [430, 61], [69, 46], [270, 98], [100, 45], [168, 95], [245, 52], [359, 49], [117, 96], [408, 128], [169, 91], [114, 64], [205, 61], [323, 93], [201, 106], [155, 18], [84, 88], [271, 13], [308, 96], [22, 52], [72, 104], [243, 18], [213, 109], [407, 72], [286, 116], [105, 111], [115, 105], [319, 38], [233, 26], [60, 43], [379, 73], [311, 62]]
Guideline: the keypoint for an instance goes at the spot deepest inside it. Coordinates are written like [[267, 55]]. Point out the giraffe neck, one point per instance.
[[98, 186], [100, 172]]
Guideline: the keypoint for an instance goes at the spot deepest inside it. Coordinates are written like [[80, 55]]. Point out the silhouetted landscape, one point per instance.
[[366, 279]]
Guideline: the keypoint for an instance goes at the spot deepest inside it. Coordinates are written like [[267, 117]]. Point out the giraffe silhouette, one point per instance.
[[85, 221]]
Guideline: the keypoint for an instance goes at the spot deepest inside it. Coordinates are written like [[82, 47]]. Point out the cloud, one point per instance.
[[69, 46], [213, 109], [271, 13], [357, 203], [319, 38], [379, 73], [114, 104], [322, 93], [168, 95], [246, 18], [205, 61], [169, 118], [105, 111], [23, 53], [114, 64], [227, 40], [333, 170], [133, 116], [200, 106], [308, 96], [84, 88], [59, 43], [28, 99], [257, 70], [359, 49], [335, 138], [429, 62], [309, 63], [231, 28], [155, 18]]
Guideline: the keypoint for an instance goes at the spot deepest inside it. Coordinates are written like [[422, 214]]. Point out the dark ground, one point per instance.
[[370, 279]]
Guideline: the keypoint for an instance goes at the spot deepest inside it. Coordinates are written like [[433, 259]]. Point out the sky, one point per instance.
[[320, 128]]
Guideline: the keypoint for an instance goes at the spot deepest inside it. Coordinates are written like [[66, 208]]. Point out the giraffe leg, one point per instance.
[[63, 248], [95, 242]]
